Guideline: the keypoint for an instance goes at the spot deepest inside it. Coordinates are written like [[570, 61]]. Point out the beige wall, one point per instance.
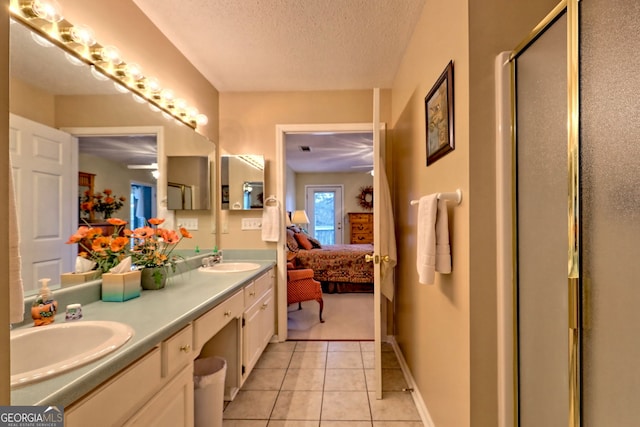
[[447, 331], [248, 125], [433, 320], [351, 183], [32, 103]]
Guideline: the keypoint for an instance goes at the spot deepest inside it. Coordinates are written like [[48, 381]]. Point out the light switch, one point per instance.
[[251, 223], [189, 223]]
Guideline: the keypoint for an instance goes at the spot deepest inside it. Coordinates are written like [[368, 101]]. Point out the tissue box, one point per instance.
[[121, 287], [69, 279]]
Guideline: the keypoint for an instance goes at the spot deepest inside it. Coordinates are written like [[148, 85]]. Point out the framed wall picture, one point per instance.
[[438, 105]]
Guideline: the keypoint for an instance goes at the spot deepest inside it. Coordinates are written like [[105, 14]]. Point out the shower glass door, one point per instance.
[[542, 230], [610, 179]]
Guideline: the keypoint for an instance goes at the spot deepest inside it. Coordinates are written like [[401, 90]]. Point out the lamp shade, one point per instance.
[[288, 220], [300, 217]]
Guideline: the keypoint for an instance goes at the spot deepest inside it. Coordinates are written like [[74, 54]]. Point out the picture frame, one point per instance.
[[438, 106]]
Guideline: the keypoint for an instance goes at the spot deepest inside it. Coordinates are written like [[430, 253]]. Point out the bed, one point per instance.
[[339, 268]]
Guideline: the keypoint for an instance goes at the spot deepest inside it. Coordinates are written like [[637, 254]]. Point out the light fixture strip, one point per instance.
[[54, 36]]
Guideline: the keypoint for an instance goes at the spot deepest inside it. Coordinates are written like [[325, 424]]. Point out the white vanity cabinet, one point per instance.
[[155, 390], [259, 320]]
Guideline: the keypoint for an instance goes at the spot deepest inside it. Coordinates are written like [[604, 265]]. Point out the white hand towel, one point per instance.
[[16, 293], [387, 239], [426, 239], [443, 249], [271, 223]]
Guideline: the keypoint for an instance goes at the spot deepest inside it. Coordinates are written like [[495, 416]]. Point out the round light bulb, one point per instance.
[[99, 75], [167, 95], [72, 59], [120, 88], [83, 35], [41, 40], [181, 104], [202, 120], [48, 10], [134, 71], [153, 85], [111, 54]]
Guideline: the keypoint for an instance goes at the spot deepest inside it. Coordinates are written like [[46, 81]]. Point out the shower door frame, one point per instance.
[[570, 7]]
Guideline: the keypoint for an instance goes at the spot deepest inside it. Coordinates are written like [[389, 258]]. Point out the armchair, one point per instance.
[[302, 287]]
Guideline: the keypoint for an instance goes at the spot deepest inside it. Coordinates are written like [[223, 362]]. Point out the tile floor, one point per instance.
[[322, 384]]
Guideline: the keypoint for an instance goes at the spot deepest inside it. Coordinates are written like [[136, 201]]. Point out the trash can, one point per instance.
[[208, 382]]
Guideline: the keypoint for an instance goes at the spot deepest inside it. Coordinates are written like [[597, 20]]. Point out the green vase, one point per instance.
[[154, 278]]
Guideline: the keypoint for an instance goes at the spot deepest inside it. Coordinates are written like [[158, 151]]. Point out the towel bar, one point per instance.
[[453, 196]]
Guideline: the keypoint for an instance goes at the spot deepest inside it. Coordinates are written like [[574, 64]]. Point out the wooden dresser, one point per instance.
[[361, 227]]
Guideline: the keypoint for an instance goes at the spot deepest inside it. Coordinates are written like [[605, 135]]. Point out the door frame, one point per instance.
[[281, 172]]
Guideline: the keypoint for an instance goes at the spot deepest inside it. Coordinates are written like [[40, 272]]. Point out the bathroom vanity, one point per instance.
[[149, 380]]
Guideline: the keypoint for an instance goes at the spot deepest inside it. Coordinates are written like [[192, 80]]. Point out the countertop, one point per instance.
[[154, 316]]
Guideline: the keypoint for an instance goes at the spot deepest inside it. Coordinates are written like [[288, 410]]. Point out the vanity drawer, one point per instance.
[[120, 396], [250, 295], [264, 283], [209, 324], [177, 351]]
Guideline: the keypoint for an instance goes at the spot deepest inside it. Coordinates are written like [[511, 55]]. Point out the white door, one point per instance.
[[324, 207], [377, 281], [46, 187]]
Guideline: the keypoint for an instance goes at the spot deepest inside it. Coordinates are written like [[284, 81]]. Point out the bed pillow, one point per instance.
[[314, 242], [303, 241], [292, 243], [294, 228]]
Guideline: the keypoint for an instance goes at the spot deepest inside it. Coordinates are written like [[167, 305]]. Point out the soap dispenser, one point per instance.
[[44, 307]]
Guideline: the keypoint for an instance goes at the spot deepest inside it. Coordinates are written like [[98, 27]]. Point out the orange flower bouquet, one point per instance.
[[152, 250], [105, 251], [105, 202]]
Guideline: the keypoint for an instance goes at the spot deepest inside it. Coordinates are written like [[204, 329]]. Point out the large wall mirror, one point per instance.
[[188, 180], [65, 121], [242, 182]]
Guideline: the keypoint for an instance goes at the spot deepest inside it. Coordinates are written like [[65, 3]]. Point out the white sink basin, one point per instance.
[[231, 267], [41, 352]]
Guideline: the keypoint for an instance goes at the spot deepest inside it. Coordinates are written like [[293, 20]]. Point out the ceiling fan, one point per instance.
[[369, 167], [149, 166]]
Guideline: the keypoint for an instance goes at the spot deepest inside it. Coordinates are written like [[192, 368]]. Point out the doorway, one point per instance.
[[324, 206], [285, 187], [143, 204]]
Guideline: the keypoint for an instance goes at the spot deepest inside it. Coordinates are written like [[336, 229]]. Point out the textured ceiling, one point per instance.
[[285, 45]]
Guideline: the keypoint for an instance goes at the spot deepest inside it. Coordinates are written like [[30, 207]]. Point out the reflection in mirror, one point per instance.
[[47, 94], [242, 181], [188, 180]]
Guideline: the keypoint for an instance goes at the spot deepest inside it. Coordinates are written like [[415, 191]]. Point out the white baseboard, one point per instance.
[[415, 394]]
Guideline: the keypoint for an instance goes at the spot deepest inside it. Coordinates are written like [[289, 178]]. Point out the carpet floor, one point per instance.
[[346, 316]]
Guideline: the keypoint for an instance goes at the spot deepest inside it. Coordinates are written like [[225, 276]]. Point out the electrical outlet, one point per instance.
[[189, 223], [251, 223]]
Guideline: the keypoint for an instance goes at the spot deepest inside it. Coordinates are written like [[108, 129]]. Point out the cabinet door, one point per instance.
[[257, 331], [172, 406]]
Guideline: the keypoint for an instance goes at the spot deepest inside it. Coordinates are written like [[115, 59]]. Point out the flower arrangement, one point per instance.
[[153, 247], [105, 251], [105, 202]]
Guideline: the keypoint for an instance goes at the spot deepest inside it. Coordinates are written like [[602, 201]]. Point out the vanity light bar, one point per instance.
[[45, 19]]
